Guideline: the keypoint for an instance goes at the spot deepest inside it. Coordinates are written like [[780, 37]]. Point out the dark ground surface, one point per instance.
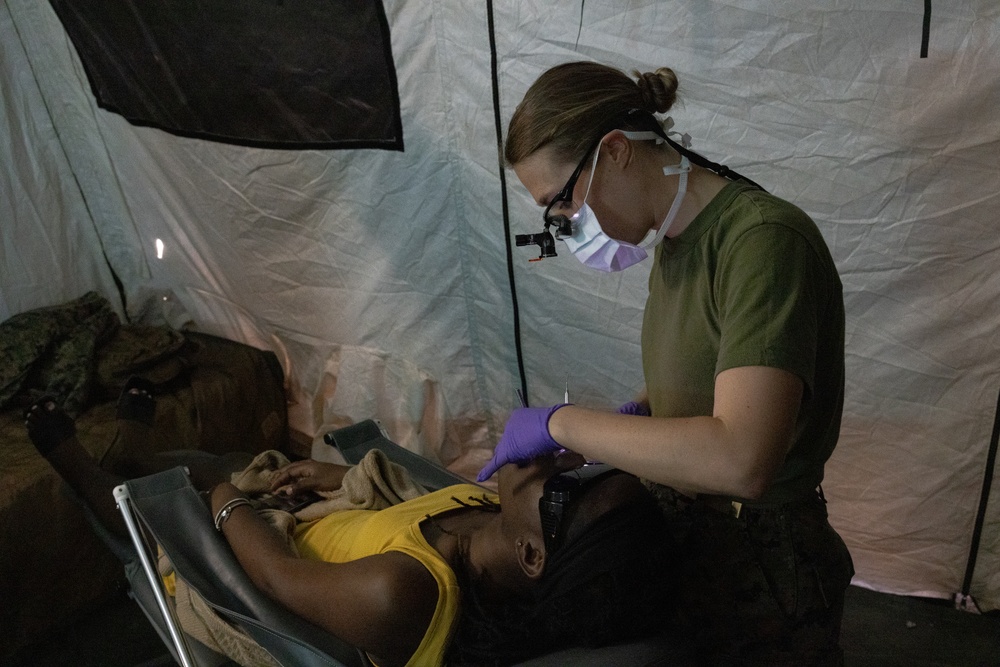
[[879, 629], [893, 630]]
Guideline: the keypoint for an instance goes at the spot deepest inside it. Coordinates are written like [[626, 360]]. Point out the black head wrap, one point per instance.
[[611, 583]]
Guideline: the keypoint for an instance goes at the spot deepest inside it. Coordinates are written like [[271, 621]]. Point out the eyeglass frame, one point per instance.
[[562, 223], [561, 492]]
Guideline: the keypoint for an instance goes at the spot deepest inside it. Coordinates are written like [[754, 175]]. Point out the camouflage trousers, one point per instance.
[[764, 588], [53, 351]]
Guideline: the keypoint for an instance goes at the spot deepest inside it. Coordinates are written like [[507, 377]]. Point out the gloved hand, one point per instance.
[[635, 408], [525, 437]]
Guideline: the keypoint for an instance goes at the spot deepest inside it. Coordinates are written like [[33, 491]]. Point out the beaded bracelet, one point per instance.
[[227, 509]]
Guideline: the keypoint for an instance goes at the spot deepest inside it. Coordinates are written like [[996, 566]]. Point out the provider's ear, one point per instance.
[[531, 557], [617, 147]]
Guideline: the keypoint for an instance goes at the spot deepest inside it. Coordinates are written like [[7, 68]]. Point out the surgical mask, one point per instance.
[[592, 246], [597, 250]]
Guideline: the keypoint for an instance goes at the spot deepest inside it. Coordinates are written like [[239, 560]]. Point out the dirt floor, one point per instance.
[[879, 630]]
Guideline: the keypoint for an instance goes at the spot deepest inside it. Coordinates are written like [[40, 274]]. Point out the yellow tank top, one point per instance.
[[352, 534]]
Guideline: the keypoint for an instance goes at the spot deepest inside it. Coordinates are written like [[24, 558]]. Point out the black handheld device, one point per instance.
[[289, 503]]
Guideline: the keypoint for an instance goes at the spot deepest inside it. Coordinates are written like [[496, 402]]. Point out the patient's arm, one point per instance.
[[382, 604], [308, 475]]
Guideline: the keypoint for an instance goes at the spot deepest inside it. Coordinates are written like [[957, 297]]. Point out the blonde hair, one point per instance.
[[570, 105]]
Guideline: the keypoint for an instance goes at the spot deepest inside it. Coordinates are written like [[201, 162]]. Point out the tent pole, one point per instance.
[[964, 600], [503, 200]]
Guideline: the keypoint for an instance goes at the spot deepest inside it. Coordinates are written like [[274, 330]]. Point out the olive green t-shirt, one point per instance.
[[750, 282]]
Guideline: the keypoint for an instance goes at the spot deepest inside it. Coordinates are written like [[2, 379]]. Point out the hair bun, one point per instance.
[[658, 89]]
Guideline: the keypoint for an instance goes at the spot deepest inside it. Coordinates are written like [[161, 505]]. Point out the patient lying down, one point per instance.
[[457, 576]]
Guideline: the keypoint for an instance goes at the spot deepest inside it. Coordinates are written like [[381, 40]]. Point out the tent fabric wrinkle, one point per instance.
[[379, 277]]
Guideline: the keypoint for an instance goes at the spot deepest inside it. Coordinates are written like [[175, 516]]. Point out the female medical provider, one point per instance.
[[742, 353]]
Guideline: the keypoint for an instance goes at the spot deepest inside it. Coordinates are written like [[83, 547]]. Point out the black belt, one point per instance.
[[721, 504], [738, 508]]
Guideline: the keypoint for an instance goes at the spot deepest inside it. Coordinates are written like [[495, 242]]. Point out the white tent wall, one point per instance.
[[49, 247], [354, 266], [380, 280]]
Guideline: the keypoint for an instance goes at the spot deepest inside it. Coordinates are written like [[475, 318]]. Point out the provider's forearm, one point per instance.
[[694, 455], [737, 451]]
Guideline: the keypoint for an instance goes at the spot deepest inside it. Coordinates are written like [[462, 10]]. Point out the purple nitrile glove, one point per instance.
[[525, 437], [635, 408]]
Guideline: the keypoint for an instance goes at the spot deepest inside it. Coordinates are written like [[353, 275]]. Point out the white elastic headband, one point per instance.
[[668, 221], [667, 124], [681, 168]]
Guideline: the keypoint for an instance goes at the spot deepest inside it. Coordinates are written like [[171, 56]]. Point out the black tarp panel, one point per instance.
[[302, 73]]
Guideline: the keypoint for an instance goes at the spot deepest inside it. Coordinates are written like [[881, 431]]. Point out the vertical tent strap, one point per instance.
[[503, 199], [984, 498], [926, 35]]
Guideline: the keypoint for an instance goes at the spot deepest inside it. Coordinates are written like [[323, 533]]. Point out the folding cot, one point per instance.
[[172, 512]]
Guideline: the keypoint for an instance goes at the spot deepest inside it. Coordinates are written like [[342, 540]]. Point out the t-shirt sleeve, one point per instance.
[[769, 289]]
